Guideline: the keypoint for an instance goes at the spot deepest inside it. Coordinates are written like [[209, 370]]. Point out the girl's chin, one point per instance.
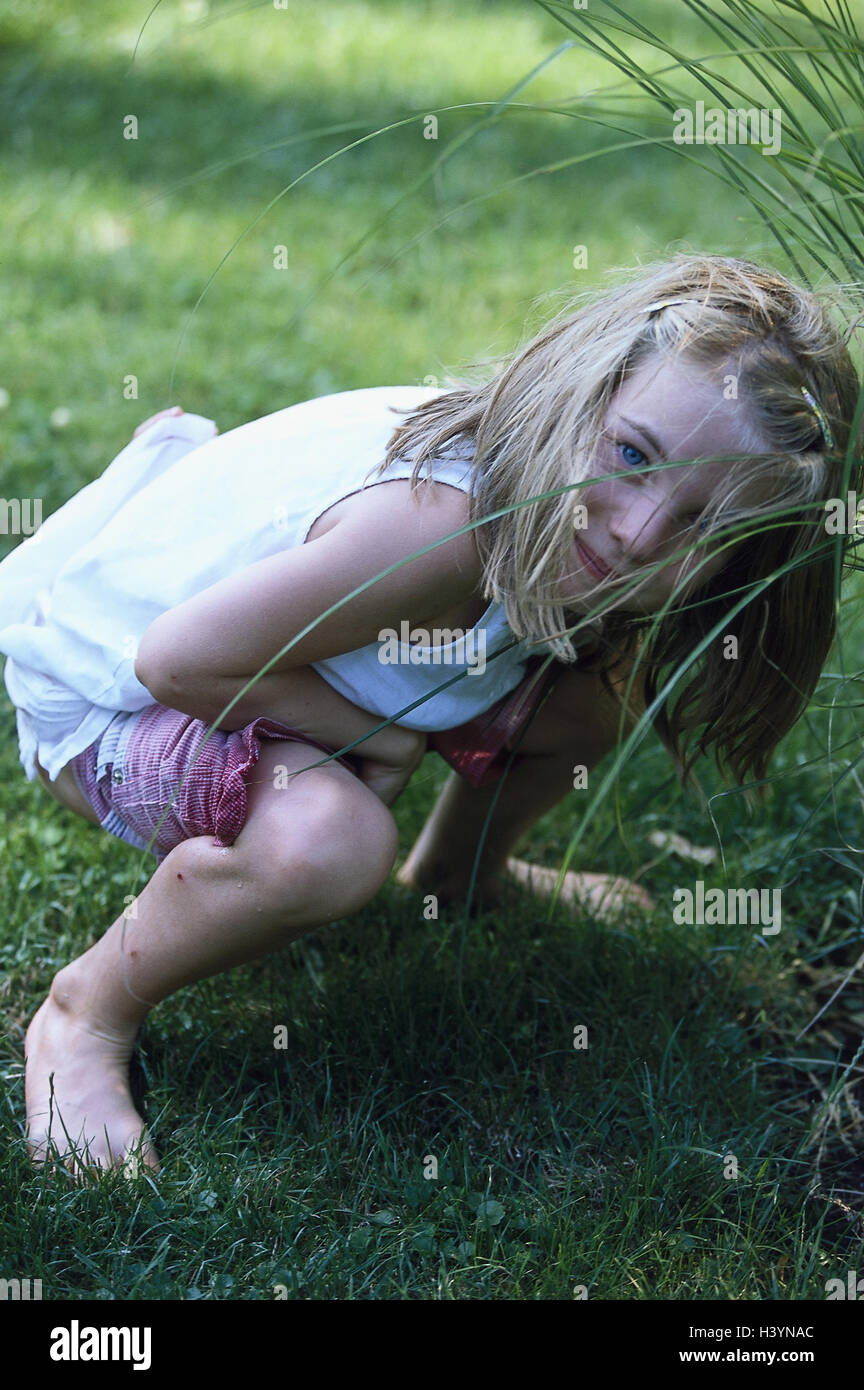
[[602, 602], [582, 593]]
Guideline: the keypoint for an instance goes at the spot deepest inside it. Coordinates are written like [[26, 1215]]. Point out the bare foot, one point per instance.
[[605, 896], [79, 1107], [448, 887], [601, 894]]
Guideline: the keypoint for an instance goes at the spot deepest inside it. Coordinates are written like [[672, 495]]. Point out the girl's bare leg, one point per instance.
[[578, 725], [65, 790], [310, 852]]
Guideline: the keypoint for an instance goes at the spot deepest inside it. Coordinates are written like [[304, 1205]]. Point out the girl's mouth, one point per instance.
[[592, 562]]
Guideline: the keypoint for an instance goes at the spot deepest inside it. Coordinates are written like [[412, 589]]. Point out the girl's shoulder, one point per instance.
[[432, 510], [424, 518]]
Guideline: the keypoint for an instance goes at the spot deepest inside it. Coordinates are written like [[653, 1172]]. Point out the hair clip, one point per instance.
[[820, 416], [708, 303], [667, 303]]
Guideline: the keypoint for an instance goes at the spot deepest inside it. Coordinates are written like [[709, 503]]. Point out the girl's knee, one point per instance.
[[352, 838], [330, 849]]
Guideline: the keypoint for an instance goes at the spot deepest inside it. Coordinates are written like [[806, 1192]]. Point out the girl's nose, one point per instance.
[[641, 526]]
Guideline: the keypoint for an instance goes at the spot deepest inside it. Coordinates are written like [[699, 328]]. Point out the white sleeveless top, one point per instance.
[[179, 509]]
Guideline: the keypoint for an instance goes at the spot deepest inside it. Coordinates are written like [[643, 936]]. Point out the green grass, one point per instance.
[[303, 1167]]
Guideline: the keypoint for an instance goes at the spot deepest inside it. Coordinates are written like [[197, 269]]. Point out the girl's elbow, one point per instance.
[[155, 668]]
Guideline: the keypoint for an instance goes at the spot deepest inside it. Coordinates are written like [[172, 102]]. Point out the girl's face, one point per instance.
[[667, 410]]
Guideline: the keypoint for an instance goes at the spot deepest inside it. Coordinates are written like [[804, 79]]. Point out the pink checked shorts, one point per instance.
[[154, 778]]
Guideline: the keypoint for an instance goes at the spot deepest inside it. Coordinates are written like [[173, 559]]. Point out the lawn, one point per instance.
[[705, 1144]]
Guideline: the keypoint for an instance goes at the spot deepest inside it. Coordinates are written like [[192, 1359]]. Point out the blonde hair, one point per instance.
[[534, 429]]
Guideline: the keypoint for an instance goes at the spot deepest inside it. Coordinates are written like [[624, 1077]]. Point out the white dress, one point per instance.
[[180, 508]]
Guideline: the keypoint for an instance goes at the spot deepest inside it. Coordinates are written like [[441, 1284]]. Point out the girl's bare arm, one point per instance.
[[197, 656], [303, 700]]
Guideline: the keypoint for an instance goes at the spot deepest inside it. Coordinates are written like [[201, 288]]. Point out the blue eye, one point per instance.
[[632, 456]]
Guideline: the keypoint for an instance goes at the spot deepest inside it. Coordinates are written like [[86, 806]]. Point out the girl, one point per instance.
[[623, 468]]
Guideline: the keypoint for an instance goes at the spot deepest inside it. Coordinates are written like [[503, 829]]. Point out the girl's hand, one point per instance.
[[145, 425], [389, 779]]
